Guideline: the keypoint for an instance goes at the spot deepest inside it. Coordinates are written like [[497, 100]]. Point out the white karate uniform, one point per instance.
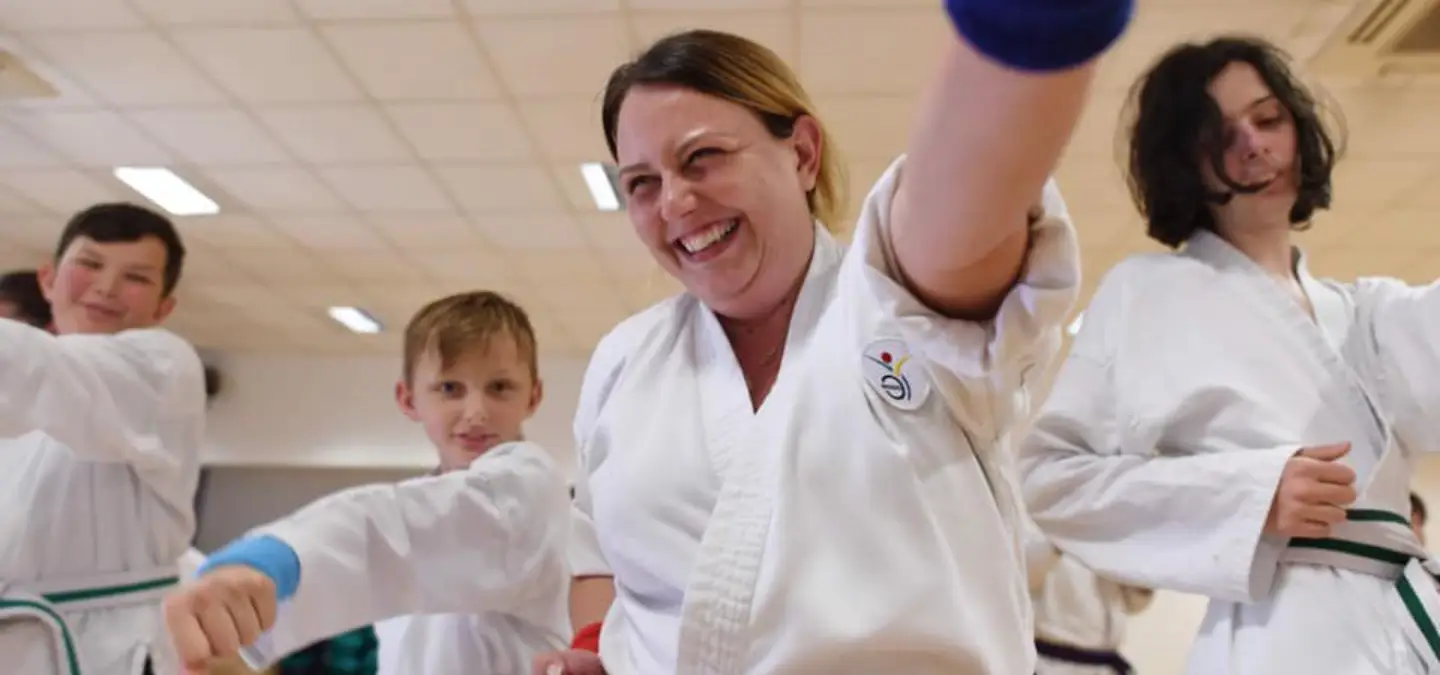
[[1156, 458], [490, 540], [100, 442], [1076, 607], [864, 520]]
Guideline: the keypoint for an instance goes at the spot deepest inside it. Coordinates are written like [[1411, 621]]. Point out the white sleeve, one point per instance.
[[978, 367], [1129, 509], [587, 559], [1404, 323], [100, 395], [491, 538]]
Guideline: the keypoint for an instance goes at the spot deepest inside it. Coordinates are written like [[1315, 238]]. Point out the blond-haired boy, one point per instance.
[[479, 549]]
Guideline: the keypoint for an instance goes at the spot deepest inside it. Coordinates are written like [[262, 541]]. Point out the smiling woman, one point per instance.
[[833, 425]]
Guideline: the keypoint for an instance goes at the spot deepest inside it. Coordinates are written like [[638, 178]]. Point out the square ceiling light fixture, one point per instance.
[[167, 191]]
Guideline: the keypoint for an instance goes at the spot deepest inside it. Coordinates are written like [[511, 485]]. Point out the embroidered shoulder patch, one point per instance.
[[889, 368]]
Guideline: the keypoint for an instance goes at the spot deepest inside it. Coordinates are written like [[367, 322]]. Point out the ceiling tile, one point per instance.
[[502, 188], [455, 271], [449, 132], [219, 136], [335, 134], [228, 231], [387, 188], [63, 190], [558, 56], [282, 266], [276, 189], [1158, 27], [879, 52], [775, 29], [538, 7], [67, 15], [422, 60], [558, 267], [269, 65], [1366, 183], [1097, 134], [1367, 261], [572, 187], [15, 204], [14, 256], [567, 129], [1398, 232], [318, 297], [864, 4], [68, 94], [427, 231], [395, 303], [608, 232], [331, 233], [37, 232], [646, 288], [251, 295], [204, 265], [92, 138], [22, 152], [526, 231], [133, 68], [217, 11], [373, 266], [1333, 226], [703, 5], [869, 127], [376, 9]]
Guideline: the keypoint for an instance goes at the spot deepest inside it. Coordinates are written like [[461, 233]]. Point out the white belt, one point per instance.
[[44, 601], [1380, 543]]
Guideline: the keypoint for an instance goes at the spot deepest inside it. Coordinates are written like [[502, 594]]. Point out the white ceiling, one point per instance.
[[380, 153]]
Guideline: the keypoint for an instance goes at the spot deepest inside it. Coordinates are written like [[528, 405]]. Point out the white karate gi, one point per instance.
[[1076, 607], [490, 540], [100, 442], [864, 520], [1157, 456]]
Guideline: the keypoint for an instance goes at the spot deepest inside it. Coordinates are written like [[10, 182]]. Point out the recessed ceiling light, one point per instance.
[[355, 319], [601, 182], [167, 190], [1074, 328]]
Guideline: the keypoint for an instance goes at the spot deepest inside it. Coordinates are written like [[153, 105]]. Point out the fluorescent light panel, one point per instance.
[[355, 319], [167, 190], [602, 187]]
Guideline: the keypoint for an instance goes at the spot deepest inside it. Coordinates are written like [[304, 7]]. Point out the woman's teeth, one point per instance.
[[707, 237]]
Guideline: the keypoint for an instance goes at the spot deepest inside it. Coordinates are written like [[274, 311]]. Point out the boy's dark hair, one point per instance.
[[122, 222], [1175, 126], [1417, 507], [22, 289]]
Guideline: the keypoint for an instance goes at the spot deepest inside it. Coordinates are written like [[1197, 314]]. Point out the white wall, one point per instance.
[[307, 411]]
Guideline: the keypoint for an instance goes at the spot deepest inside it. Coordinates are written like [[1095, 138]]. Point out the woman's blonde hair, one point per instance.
[[743, 72]]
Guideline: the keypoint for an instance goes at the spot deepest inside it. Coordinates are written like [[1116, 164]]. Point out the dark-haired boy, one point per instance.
[[100, 433]]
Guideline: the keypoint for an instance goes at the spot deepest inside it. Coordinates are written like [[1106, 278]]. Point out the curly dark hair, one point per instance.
[[1175, 125]]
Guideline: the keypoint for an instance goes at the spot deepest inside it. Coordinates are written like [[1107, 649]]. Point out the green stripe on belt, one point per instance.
[[1384, 555], [110, 591]]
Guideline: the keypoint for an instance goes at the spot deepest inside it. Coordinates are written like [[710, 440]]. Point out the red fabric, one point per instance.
[[587, 639]]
